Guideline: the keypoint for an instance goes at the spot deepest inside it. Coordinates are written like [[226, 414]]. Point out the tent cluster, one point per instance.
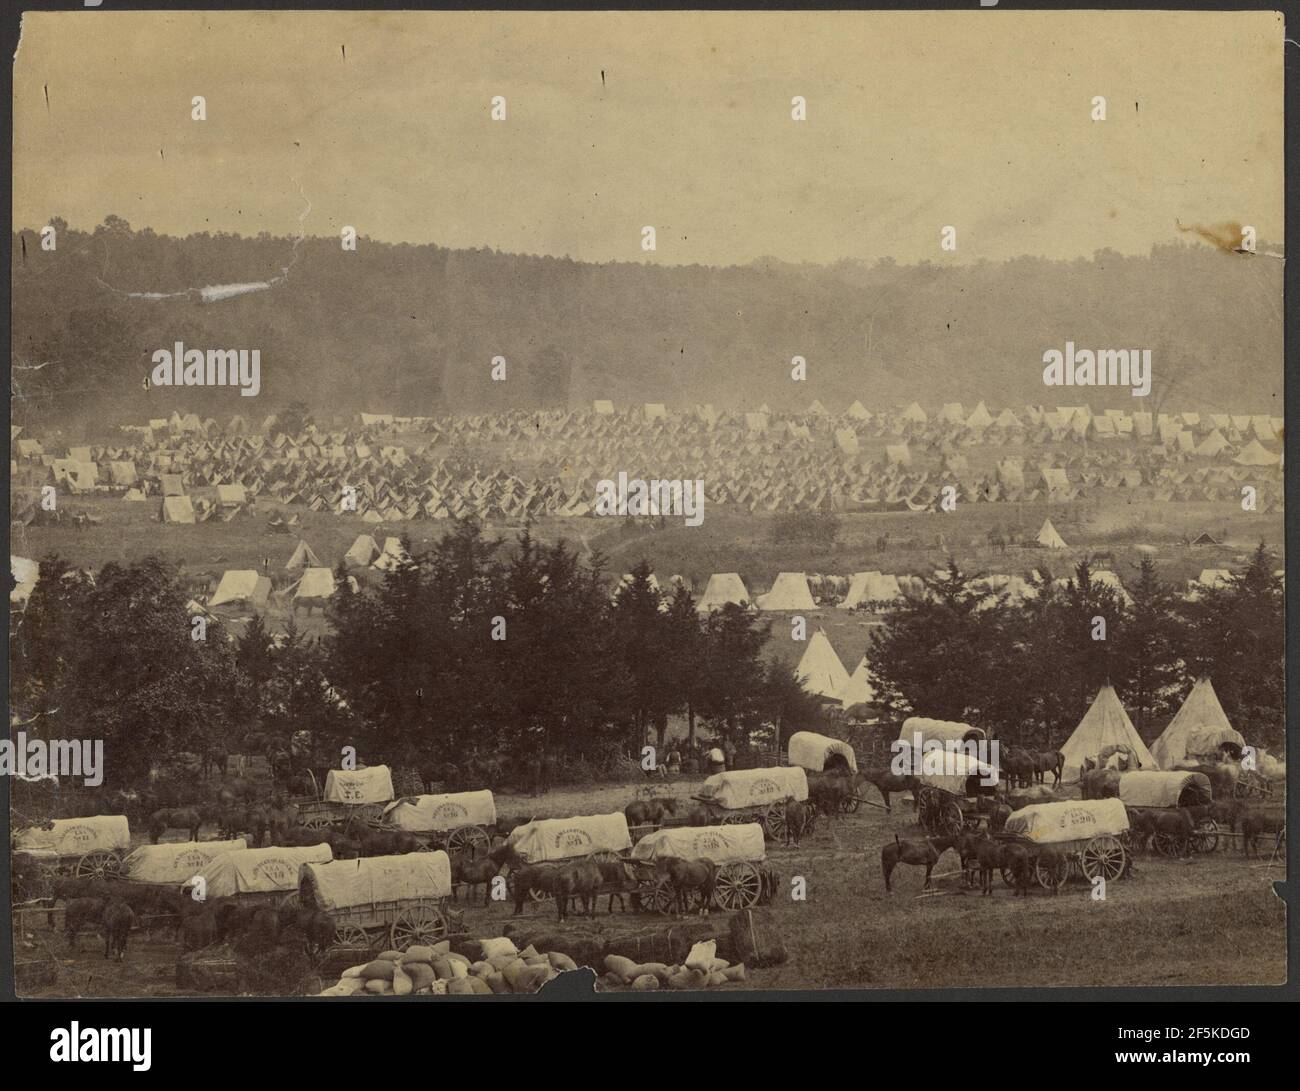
[[1196, 733], [516, 465], [822, 673]]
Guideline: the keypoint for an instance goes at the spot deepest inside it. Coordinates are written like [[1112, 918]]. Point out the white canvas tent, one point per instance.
[[1198, 728], [362, 552], [859, 690], [303, 557], [1049, 537], [789, 592], [868, 587], [1104, 724], [316, 584], [241, 586], [820, 668], [723, 587]]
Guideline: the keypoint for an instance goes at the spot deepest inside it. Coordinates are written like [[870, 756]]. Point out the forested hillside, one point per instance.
[[413, 329]]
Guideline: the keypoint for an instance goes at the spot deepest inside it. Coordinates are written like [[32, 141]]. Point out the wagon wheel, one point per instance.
[[1166, 844], [660, 897], [738, 886], [467, 840], [1008, 876], [1205, 838], [418, 924], [97, 865], [1103, 856], [353, 936], [317, 822], [923, 808], [1053, 878], [950, 819], [774, 821], [731, 818], [290, 901], [850, 804]]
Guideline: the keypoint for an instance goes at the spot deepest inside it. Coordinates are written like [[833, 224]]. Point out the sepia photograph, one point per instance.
[[705, 503]]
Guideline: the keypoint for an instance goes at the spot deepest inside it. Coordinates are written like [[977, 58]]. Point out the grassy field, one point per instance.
[[1211, 920], [727, 541]]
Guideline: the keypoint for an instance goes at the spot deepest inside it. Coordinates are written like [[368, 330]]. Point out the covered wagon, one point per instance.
[[919, 730], [954, 791], [392, 901], [1150, 794], [88, 848], [349, 796], [743, 879], [1087, 835], [554, 840], [741, 796], [460, 823], [820, 753], [258, 875], [172, 865]]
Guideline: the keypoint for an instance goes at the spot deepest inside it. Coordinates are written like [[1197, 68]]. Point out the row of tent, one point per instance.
[[519, 465]]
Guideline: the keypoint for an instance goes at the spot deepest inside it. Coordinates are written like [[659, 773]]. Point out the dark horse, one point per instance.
[[887, 783]]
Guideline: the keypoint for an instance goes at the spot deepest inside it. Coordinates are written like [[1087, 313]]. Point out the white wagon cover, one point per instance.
[[755, 787], [346, 884], [1153, 789], [373, 785], [565, 838], [421, 814], [721, 844], [77, 836], [810, 750], [938, 730], [259, 871], [1073, 820], [174, 863]]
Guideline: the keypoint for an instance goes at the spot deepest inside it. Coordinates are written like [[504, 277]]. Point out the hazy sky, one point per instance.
[[976, 119]]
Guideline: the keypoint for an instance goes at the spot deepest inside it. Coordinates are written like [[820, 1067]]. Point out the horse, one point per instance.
[[1049, 761], [181, 818], [923, 853], [649, 812], [581, 879], [684, 876], [798, 817], [887, 783]]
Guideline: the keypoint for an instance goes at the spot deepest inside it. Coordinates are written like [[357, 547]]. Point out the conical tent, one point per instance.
[[789, 592], [363, 551], [1104, 724], [1256, 454], [858, 691], [723, 587], [241, 586], [304, 557], [1199, 728], [820, 669], [867, 587], [1049, 538]]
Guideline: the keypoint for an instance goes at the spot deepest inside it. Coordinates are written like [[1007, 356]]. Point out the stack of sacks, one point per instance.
[[440, 971], [701, 970]]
